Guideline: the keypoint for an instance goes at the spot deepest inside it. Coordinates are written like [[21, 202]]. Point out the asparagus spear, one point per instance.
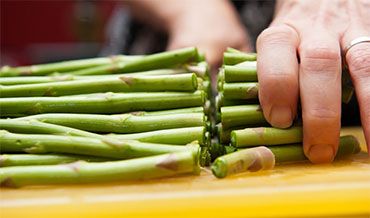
[[220, 101], [173, 111], [265, 136], [181, 82], [44, 69], [260, 158], [103, 103], [244, 91], [294, 152], [232, 50], [233, 116], [109, 148], [82, 172], [69, 77], [37, 127], [7, 160], [251, 159], [235, 73], [178, 136], [149, 62], [232, 58], [123, 123]]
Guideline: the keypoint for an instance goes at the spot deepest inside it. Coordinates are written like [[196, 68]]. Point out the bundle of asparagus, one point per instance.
[[123, 112], [242, 124]]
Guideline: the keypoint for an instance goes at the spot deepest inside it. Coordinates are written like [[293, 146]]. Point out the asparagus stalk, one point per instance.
[[44, 69], [82, 172], [123, 123], [234, 73], [201, 69], [178, 136], [251, 159], [7, 160], [232, 58], [149, 62], [37, 127], [173, 111], [109, 148], [220, 101], [237, 91], [232, 50], [260, 158], [234, 116], [102, 103], [294, 152], [69, 77], [181, 82], [265, 136]]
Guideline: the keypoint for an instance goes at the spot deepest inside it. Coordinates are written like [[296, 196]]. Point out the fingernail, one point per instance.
[[281, 117], [321, 154]]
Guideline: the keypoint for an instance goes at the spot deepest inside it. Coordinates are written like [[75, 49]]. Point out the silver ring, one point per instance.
[[356, 41]]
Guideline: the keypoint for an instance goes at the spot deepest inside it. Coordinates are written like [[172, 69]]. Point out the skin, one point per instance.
[[195, 23], [300, 55]]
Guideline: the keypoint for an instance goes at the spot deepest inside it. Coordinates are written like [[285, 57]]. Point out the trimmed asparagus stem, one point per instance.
[[201, 69], [244, 91], [232, 50], [44, 69], [181, 82], [102, 103], [69, 77], [173, 111], [235, 73], [236, 58], [110, 148], [37, 127], [233, 116], [294, 153], [149, 62], [7, 160], [178, 136], [251, 159], [221, 101], [123, 123], [265, 136], [82, 172]]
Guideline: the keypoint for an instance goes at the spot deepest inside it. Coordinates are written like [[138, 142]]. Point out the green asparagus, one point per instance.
[[82, 172], [234, 116], [244, 91], [122, 123], [107, 147], [149, 62], [7, 160], [265, 136], [102, 103], [45, 69]]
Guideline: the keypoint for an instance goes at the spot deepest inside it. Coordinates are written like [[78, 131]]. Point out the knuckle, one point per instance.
[[277, 35], [322, 114], [319, 51], [358, 59], [321, 58]]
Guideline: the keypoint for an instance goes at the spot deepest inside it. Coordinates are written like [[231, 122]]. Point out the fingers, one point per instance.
[[277, 68], [358, 60], [320, 91]]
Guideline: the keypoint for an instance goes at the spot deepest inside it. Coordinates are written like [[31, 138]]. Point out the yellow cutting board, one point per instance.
[[341, 189]]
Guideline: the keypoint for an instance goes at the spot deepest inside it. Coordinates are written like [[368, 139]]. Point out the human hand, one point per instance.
[[300, 55], [210, 25]]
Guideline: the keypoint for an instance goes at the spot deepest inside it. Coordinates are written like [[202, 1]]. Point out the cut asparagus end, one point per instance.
[[253, 159]]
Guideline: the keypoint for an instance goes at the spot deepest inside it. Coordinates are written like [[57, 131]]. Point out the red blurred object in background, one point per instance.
[[42, 31]]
